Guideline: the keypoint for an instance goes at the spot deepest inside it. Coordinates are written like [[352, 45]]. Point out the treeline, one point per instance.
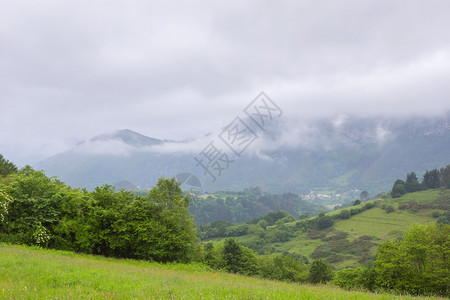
[[36, 209], [437, 178], [238, 207]]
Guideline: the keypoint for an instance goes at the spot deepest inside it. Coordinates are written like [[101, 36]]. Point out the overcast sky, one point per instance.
[[70, 70]]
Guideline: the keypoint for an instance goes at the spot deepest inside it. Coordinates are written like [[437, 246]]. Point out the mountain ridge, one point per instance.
[[354, 153]]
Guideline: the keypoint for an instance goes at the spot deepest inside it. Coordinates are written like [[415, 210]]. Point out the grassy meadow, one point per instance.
[[34, 273]]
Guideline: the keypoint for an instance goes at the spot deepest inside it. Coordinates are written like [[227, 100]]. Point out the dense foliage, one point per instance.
[[418, 264], [6, 167], [235, 258], [320, 272], [36, 209]]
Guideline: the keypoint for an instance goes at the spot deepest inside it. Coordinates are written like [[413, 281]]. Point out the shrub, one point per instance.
[[355, 211], [435, 214], [369, 205], [324, 222], [389, 209], [403, 206], [277, 235], [345, 214], [349, 278], [443, 220], [356, 202], [320, 272]]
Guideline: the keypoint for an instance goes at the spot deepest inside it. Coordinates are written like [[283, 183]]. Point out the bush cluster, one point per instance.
[[36, 209], [437, 178]]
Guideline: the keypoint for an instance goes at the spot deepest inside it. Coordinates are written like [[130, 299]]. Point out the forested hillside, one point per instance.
[[242, 206]]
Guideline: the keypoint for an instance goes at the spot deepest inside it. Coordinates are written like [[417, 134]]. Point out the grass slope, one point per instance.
[[33, 273], [374, 226], [377, 223]]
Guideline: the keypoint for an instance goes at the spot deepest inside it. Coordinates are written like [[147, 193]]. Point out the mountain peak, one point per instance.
[[128, 137]]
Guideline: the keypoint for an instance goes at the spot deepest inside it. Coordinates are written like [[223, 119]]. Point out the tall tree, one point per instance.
[[232, 255], [431, 179], [412, 184], [411, 178], [444, 177]]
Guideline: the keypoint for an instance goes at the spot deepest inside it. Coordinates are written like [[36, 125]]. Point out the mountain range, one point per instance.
[[330, 156]]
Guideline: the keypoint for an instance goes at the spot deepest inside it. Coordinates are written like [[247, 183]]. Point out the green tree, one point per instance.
[[412, 184], [210, 256], [6, 167], [178, 230], [263, 224], [232, 255], [35, 205], [239, 259], [398, 189], [320, 272], [431, 179], [444, 177]]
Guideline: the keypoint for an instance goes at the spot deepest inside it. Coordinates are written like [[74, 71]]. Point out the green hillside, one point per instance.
[[33, 273], [376, 222], [349, 242]]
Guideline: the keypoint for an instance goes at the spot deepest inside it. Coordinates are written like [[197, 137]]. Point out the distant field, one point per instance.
[[32, 273]]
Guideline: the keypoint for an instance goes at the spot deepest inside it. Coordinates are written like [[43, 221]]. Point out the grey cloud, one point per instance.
[[177, 70]]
